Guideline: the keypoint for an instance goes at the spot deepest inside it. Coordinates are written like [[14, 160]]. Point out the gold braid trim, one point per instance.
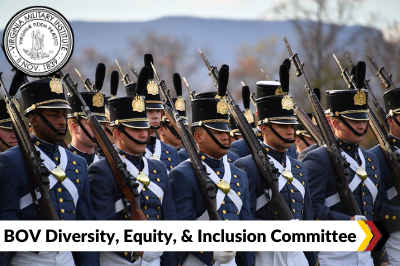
[[349, 112], [34, 106], [264, 121], [154, 101], [214, 120], [5, 120], [132, 120], [396, 110], [82, 114]]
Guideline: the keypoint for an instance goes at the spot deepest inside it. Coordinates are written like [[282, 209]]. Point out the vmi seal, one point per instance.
[[38, 41]]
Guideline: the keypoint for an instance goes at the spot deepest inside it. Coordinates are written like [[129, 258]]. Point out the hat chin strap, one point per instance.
[[303, 139], [155, 128], [109, 131], [121, 128], [351, 128], [214, 139], [84, 129], [395, 119], [279, 136], [51, 126], [172, 129], [5, 144]]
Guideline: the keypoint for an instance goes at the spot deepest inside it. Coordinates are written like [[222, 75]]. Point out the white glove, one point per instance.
[[360, 218], [224, 256], [149, 256]]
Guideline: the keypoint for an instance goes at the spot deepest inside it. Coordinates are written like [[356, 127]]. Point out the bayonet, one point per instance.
[[125, 78], [189, 89], [266, 74], [382, 74], [134, 71]]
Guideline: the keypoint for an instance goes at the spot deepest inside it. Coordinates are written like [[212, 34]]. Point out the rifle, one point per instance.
[[192, 93], [133, 70], [380, 113], [389, 151], [37, 173], [265, 74], [204, 182], [121, 174], [268, 172], [382, 74], [339, 163], [125, 78]]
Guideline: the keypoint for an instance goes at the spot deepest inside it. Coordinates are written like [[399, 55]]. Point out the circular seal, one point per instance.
[[38, 41]]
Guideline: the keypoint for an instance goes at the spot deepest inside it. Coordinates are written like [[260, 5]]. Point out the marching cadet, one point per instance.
[[389, 218], [231, 157], [7, 136], [46, 108], [210, 130], [264, 88], [167, 132], [155, 148], [83, 142], [114, 81], [234, 134], [276, 121], [303, 137], [349, 119], [130, 128]]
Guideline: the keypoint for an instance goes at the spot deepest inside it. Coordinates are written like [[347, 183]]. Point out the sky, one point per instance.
[[145, 10]]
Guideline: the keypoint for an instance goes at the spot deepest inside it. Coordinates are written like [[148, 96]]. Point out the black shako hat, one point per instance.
[[5, 119], [94, 100], [151, 93], [180, 106], [276, 109], [234, 129], [44, 93], [392, 101], [210, 112], [300, 130], [327, 103], [351, 104], [128, 111], [268, 88]]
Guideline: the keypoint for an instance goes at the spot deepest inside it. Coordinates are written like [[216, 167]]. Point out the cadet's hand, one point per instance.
[[224, 256], [149, 256]]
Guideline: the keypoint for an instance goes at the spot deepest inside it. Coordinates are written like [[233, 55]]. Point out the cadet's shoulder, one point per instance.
[[370, 156], [232, 156], [75, 157], [237, 171], [156, 165], [244, 160], [238, 143], [317, 153], [297, 164], [11, 156], [169, 148]]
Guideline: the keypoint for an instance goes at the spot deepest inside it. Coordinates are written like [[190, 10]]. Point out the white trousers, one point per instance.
[[281, 258], [345, 258], [63, 258], [193, 261], [393, 248]]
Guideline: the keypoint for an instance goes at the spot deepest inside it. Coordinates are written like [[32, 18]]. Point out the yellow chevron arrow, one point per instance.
[[368, 238]]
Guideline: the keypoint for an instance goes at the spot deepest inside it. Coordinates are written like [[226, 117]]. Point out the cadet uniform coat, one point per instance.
[[168, 154], [190, 204], [183, 156], [14, 186], [90, 158], [107, 196], [299, 205]]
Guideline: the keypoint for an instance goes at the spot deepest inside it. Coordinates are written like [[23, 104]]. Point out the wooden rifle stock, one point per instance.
[[34, 164], [309, 125], [121, 174], [339, 163], [205, 184]]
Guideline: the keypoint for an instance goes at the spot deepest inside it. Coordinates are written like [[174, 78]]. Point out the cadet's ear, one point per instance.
[[33, 119], [263, 128], [198, 137], [117, 134], [335, 123], [73, 127]]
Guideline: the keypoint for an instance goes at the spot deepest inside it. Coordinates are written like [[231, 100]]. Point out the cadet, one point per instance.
[[303, 137], [264, 88], [390, 216], [231, 157], [210, 131], [234, 134], [7, 136], [130, 128], [276, 120], [83, 142], [46, 108], [349, 118]]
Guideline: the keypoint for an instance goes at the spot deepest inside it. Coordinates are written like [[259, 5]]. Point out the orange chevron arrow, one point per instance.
[[368, 237]]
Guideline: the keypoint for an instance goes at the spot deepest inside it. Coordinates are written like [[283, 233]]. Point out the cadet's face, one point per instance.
[[108, 132], [154, 117], [124, 143], [82, 137], [207, 145], [57, 117], [168, 137], [284, 130], [394, 127], [300, 145], [344, 133], [8, 136]]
